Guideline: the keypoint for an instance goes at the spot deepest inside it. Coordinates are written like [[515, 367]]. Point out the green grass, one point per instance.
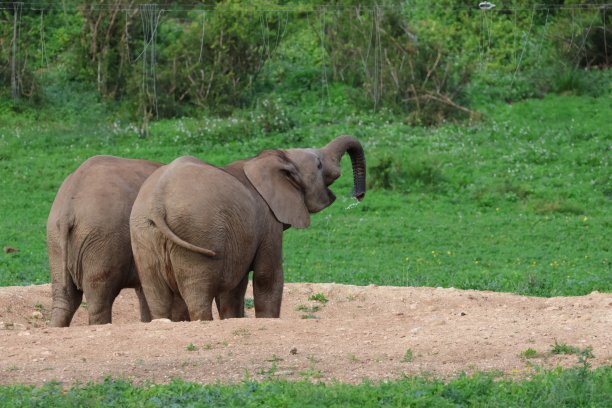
[[518, 202], [249, 303], [563, 348], [191, 347], [308, 309], [529, 353], [558, 388], [318, 297], [408, 356]]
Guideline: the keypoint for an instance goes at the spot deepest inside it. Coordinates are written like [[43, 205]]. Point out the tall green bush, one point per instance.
[[431, 61], [380, 50], [177, 59]]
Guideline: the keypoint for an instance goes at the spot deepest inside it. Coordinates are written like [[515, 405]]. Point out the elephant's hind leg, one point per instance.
[[151, 273], [195, 285], [66, 301], [145, 313], [179, 310], [199, 304], [230, 304], [66, 297], [100, 297], [100, 310]]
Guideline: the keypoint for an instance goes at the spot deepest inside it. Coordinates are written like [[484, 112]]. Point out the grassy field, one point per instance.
[[569, 388], [518, 201]]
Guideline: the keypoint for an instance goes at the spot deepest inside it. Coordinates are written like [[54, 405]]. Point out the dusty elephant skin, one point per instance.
[[88, 237], [198, 230]]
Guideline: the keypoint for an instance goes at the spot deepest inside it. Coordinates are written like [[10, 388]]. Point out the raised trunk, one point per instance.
[[333, 152]]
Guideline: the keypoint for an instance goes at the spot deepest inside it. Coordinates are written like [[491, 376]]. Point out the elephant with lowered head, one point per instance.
[[198, 230], [88, 238]]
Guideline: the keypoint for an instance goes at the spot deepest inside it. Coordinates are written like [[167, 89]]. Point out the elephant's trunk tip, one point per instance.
[[359, 195]]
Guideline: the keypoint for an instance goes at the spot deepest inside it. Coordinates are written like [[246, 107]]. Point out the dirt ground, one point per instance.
[[370, 332]]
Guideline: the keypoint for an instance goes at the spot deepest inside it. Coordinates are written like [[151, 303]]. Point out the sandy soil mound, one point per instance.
[[371, 332]]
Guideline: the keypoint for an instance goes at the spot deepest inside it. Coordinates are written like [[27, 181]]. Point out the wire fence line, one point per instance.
[[43, 6]]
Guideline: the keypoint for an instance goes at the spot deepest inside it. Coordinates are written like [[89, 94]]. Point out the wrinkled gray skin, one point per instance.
[[198, 230], [88, 238]]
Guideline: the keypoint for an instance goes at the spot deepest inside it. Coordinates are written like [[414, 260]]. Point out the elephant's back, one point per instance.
[[90, 214], [208, 206], [208, 190], [110, 183]]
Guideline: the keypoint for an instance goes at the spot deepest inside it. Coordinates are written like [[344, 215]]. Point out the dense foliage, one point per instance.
[[417, 57], [574, 387]]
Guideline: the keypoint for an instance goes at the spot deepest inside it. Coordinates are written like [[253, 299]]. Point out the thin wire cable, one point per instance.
[[377, 58], [203, 8], [265, 28], [202, 38], [544, 32], [15, 80], [514, 30], [605, 35], [486, 28], [127, 38], [324, 82], [490, 36], [43, 48], [582, 47], [150, 21], [525, 42]]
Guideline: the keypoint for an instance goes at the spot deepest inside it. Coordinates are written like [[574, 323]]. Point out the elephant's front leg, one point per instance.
[[268, 281]]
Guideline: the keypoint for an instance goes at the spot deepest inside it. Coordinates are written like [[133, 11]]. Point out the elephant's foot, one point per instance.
[[100, 314], [201, 314], [61, 317]]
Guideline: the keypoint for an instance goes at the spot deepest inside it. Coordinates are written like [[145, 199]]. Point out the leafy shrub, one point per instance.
[[376, 49], [489, 87], [187, 59], [584, 39], [20, 28], [271, 116], [574, 81], [406, 175], [563, 348], [430, 61]]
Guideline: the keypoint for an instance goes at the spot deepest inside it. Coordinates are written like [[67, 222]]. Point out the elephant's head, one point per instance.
[[295, 182]]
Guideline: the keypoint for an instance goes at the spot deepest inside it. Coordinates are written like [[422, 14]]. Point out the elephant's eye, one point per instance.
[[319, 164]]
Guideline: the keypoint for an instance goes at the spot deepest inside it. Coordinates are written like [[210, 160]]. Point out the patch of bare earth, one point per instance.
[[360, 333]]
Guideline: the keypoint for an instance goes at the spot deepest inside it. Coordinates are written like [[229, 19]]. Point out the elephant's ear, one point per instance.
[[276, 178]]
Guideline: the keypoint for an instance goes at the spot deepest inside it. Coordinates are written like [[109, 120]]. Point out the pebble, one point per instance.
[[161, 321]]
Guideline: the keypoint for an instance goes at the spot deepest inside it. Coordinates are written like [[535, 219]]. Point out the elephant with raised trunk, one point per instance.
[[198, 230], [88, 238]]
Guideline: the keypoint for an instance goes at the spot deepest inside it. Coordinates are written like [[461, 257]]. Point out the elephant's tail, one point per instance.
[[64, 226], [158, 217]]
